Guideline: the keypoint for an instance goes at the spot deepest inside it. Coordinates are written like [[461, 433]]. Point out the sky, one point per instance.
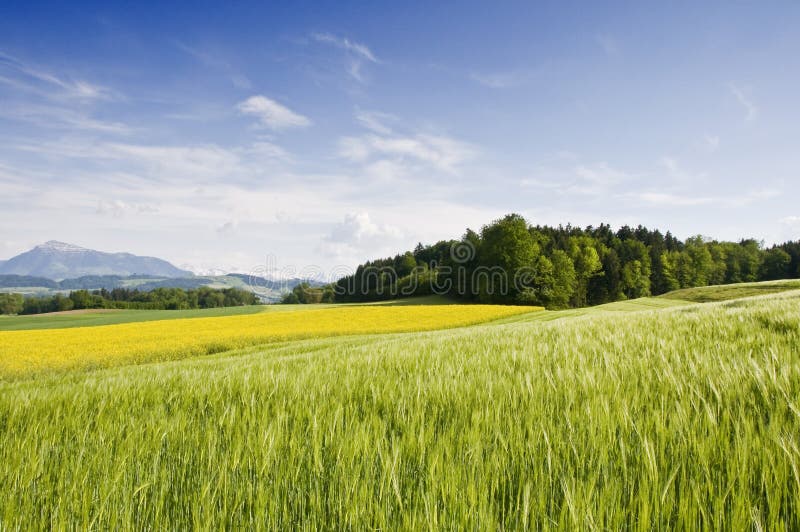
[[307, 136]]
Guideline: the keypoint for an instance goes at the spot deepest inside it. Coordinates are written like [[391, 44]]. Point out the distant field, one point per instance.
[[25, 352], [707, 294], [679, 418], [59, 321], [54, 320]]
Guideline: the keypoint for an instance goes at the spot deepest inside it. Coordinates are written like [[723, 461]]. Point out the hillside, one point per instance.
[[705, 294]]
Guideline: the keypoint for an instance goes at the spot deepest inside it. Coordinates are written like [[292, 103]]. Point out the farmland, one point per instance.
[[25, 352], [652, 413]]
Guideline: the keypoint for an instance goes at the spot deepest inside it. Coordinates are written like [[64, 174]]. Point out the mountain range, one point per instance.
[[58, 260], [58, 267]]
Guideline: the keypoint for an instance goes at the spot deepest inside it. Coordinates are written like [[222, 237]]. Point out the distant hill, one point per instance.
[[18, 281], [267, 290], [58, 260]]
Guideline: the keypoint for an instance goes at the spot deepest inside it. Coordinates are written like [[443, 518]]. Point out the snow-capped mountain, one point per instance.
[[59, 260]]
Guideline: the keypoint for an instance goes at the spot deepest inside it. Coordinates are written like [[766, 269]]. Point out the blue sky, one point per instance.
[[324, 134]]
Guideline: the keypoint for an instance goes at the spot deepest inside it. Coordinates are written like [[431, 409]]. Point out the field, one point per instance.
[[646, 414], [24, 352], [706, 294]]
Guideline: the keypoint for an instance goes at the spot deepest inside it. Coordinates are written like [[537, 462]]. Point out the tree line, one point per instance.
[[127, 298], [306, 294], [512, 262]]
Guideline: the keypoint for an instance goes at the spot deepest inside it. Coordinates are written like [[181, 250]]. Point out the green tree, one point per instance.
[[11, 303], [564, 281], [506, 244], [719, 265], [669, 261], [700, 262], [587, 264], [404, 264], [775, 265], [635, 280]]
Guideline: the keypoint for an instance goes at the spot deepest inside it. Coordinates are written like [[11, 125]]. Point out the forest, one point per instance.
[[511, 262], [126, 298]]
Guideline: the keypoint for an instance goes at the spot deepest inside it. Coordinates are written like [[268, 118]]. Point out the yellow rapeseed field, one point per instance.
[[33, 351]]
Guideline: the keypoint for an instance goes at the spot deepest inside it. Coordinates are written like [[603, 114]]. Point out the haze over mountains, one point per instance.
[[56, 266], [58, 260]]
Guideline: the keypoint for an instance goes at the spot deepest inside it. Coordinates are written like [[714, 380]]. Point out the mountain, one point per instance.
[[58, 260]]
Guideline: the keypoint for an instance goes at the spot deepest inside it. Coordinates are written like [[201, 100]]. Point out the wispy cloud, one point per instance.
[[271, 114], [357, 53], [497, 80], [118, 208], [441, 152], [22, 75], [565, 176], [178, 164], [61, 118], [216, 61], [384, 151], [358, 49], [709, 143], [375, 121], [673, 200], [504, 79], [601, 174], [691, 200], [678, 174], [744, 99]]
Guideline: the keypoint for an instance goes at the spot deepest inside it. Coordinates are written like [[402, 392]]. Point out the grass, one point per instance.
[[706, 294], [673, 418]]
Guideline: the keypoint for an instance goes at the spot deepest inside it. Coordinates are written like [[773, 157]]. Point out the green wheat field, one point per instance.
[[659, 413]]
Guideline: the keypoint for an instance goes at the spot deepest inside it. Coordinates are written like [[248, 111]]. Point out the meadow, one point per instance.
[[645, 414]]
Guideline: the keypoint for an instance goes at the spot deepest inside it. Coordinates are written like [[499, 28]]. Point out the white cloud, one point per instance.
[[354, 149], [357, 235], [271, 114], [441, 152], [742, 96], [266, 150], [118, 208]]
